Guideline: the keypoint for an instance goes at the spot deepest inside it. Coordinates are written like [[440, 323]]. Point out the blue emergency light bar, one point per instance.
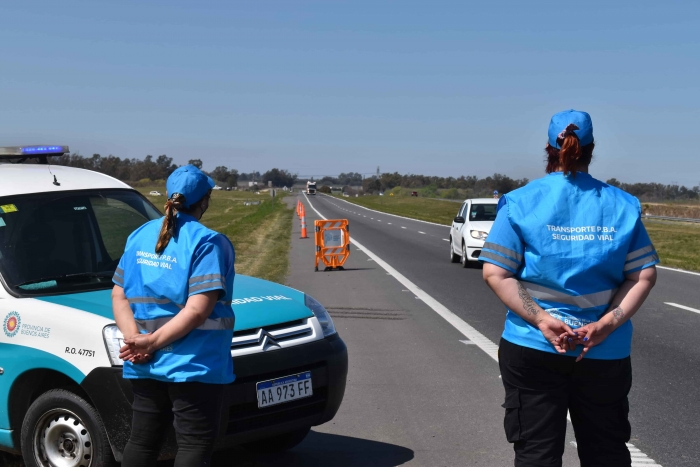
[[42, 150], [30, 151]]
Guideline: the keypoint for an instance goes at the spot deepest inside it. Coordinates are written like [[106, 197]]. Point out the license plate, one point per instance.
[[286, 389]]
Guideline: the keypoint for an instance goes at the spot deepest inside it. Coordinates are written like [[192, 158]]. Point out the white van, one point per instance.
[[63, 401]]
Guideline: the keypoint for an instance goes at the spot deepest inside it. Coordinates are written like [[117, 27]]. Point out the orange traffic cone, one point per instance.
[[303, 222], [299, 209]]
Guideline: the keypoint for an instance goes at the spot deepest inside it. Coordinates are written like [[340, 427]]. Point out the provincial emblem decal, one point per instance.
[[11, 324]]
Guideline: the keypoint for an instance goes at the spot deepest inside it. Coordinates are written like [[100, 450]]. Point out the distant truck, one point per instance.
[[310, 188]]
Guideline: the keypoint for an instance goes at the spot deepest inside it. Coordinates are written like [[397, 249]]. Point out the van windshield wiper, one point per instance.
[[86, 275]]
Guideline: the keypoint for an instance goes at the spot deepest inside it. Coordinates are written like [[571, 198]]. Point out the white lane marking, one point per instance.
[[388, 214], [678, 270], [483, 342], [388, 223], [403, 227], [683, 307], [467, 342], [446, 239], [421, 232], [379, 220]]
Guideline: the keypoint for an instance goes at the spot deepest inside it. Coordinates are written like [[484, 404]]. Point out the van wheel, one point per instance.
[[279, 443], [63, 429], [454, 258]]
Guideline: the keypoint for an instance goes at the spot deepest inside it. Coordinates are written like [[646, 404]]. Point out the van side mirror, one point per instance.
[[459, 220]]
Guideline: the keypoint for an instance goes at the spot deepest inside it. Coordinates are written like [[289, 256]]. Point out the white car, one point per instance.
[[155, 193], [470, 228]]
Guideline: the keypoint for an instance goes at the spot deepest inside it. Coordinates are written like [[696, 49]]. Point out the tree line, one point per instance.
[[657, 191], [160, 168]]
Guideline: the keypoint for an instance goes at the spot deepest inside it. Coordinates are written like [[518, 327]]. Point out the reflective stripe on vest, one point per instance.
[[582, 301], [217, 324]]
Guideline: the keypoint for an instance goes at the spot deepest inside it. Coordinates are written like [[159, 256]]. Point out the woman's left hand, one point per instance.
[[591, 335]]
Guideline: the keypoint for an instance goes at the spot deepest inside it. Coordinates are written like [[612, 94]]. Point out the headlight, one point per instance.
[[321, 315], [479, 235], [114, 340]]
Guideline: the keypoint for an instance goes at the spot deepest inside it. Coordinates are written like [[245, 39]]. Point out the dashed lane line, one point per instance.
[[446, 239], [403, 227], [421, 232], [683, 307], [481, 341]]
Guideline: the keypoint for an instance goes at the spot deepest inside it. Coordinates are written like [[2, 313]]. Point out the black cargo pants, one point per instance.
[[542, 386]]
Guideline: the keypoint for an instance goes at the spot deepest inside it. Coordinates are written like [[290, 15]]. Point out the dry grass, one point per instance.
[[688, 211]]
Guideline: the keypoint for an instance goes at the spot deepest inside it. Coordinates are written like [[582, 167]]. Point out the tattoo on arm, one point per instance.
[[617, 313], [528, 303]]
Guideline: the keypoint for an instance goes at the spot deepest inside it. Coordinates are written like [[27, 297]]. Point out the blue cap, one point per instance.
[[190, 182], [561, 120]]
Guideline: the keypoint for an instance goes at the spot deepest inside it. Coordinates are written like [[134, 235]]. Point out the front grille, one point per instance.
[[273, 337]]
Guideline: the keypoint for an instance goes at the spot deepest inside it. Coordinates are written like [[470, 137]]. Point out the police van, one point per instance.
[[63, 401]]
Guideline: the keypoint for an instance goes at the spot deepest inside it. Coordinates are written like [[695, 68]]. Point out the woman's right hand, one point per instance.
[[557, 332], [136, 349]]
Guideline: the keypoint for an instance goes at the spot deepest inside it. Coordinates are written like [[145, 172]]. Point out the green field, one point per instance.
[[678, 243], [261, 234]]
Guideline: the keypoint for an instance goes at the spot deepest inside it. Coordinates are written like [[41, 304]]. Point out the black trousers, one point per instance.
[[541, 387], [194, 409]]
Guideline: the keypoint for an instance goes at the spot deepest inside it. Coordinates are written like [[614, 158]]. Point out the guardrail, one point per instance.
[[667, 218]]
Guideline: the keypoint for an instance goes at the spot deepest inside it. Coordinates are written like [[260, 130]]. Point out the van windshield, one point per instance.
[[67, 241]]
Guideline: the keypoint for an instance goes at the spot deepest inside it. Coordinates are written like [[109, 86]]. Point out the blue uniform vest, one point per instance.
[[196, 260], [570, 242]]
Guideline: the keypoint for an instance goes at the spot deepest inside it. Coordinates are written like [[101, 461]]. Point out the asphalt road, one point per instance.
[[665, 357]]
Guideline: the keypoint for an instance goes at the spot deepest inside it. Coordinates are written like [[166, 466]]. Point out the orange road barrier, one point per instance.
[[332, 243], [299, 209], [303, 222]]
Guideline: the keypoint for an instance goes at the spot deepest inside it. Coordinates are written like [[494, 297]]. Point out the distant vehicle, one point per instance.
[[228, 188], [470, 228], [217, 187], [155, 193], [345, 194], [414, 193], [310, 188]]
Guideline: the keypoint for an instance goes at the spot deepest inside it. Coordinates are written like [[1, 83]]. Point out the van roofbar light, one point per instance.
[[32, 151]]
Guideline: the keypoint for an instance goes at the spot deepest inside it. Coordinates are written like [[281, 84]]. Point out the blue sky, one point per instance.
[[322, 87]]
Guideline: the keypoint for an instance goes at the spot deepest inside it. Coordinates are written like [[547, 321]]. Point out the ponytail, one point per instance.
[[570, 153], [571, 156], [167, 229]]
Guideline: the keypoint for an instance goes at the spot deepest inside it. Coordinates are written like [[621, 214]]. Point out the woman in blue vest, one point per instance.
[[570, 258], [172, 303]]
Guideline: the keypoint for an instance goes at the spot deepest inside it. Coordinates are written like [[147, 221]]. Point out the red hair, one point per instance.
[[570, 157]]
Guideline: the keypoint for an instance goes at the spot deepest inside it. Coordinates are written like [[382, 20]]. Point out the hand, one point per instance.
[[138, 348], [591, 335], [556, 332]]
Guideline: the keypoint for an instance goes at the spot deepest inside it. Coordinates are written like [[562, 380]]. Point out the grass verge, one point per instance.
[[261, 234], [678, 243]]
